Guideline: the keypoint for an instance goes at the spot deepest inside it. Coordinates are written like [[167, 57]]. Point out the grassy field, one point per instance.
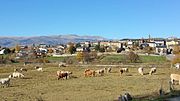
[[114, 59], [44, 86], [143, 59]]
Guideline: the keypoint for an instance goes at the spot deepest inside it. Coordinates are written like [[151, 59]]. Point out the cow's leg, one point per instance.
[[172, 81], [66, 77]]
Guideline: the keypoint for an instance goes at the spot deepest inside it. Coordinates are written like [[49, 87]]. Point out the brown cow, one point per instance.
[[89, 72], [62, 75]]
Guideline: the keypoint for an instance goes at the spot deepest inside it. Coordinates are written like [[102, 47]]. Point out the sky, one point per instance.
[[114, 19]]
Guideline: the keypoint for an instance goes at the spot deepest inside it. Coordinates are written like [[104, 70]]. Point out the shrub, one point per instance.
[[83, 57], [176, 50], [69, 60], [43, 60], [132, 57]]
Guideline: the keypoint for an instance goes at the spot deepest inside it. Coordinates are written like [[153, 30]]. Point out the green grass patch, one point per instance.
[[144, 59], [113, 58], [56, 58], [153, 59]]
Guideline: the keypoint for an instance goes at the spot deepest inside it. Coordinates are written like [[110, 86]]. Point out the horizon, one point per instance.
[[115, 19], [146, 37]]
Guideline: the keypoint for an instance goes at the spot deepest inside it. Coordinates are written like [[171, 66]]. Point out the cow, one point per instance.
[[175, 77], [89, 72], [62, 75]]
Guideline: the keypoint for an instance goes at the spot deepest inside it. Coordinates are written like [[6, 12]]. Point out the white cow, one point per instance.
[[153, 70], [38, 68], [5, 81], [62, 64], [140, 70], [175, 77], [100, 72], [16, 75]]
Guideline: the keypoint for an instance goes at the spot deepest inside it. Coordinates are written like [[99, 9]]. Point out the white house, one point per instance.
[[151, 44], [79, 49], [171, 43], [160, 42], [2, 52], [43, 50]]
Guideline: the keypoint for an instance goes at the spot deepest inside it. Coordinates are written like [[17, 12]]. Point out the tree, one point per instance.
[[83, 57], [79, 56], [132, 57], [7, 51], [93, 55], [176, 49], [72, 49], [78, 45], [13, 50], [176, 59], [86, 57], [17, 48], [97, 47], [148, 49], [102, 49]]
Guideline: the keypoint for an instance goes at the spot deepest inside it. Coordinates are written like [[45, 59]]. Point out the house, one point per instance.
[[70, 44], [115, 44], [2, 52], [82, 44], [162, 50], [159, 42], [42, 45], [105, 43], [80, 49], [60, 46], [83, 49], [23, 46], [43, 50], [171, 43], [93, 44], [131, 42], [151, 44], [143, 45], [87, 44]]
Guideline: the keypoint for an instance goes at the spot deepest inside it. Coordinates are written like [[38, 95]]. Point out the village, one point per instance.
[[153, 46], [123, 64]]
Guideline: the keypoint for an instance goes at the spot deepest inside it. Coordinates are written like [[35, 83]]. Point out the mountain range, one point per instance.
[[50, 40]]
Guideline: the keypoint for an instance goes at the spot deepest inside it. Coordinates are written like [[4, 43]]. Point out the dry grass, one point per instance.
[[44, 86]]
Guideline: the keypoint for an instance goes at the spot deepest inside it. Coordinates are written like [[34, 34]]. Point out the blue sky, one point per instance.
[[114, 19]]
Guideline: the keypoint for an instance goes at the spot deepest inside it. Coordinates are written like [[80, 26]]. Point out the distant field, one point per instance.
[[118, 58], [143, 59], [56, 58], [44, 86], [153, 59]]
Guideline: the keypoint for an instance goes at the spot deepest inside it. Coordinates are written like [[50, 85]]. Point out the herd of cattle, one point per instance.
[[88, 72]]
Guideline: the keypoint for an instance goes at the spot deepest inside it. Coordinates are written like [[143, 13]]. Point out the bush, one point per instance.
[[132, 57], [83, 57], [119, 50], [176, 50], [43, 60], [69, 60]]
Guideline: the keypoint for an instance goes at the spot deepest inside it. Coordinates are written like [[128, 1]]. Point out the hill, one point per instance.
[[50, 40]]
